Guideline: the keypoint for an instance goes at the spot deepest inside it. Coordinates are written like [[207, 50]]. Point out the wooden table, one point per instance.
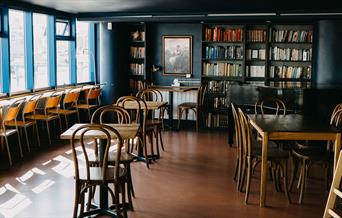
[[291, 127], [171, 90], [127, 131], [151, 105]]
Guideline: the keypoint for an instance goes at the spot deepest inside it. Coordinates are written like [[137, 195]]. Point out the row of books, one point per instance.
[[291, 35], [137, 69], [220, 34], [290, 54], [256, 35], [224, 52], [290, 72], [217, 120], [219, 86], [222, 69], [291, 84], [136, 84], [256, 54], [255, 71], [137, 52]]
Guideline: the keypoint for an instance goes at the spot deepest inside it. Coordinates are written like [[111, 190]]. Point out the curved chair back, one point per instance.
[[13, 110], [70, 98], [134, 105], [104, 132], [150, 94], [245, 133], [201, 94], [120, 115], [275, 105], [52, 101]]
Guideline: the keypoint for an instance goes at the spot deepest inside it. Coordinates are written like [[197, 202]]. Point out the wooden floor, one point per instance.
[[193, 178]]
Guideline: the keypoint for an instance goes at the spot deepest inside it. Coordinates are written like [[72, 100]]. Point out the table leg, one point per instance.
[[263, 170], [337, 149], [171, 110], [103, 190]]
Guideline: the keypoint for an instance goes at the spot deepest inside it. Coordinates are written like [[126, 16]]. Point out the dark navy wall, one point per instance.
[[111, 64], [328, 64], [157, 31]]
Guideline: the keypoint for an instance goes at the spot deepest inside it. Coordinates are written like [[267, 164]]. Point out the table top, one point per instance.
[[127, 131], [151, 105], [176, 88], [290, 123]]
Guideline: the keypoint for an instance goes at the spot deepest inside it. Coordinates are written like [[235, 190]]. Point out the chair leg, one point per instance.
[[294, 172], [8, 151], [145, 151], [242, 181], [66, 121], [20, 145], [161, 139], [37, 133], [180, 111], [76, 200], [27, 140], [152, 149], [236, 168], [48, 131], [89, 115], [156, 133], [249, 174], [303, 180], [285, 183], [60, 124]]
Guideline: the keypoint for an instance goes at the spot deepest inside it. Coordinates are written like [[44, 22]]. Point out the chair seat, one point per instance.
[[96, 174], [187, 105], [316, 154], [125, 158], [42, 117], [272, 153], [63, 111], [20, 123], [7, 132], [86, 106]]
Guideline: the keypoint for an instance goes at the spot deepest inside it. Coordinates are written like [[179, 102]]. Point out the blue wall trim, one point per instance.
[[29, 65], [92, 60], [52, 50], [73, 77], [5, 55]]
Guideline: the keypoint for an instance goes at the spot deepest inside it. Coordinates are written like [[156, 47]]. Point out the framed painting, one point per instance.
[[177, 55]]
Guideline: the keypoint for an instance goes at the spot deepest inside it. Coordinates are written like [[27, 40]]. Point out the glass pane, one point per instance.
[[40, 49], [83, 52], [1, 88], [17, 50], [63, 62], [62, 28]]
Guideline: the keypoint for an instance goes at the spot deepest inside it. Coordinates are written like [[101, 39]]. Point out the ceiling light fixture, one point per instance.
[[310, 14], [241, 15]]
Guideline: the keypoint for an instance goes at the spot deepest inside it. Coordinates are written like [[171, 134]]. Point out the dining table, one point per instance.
[[126, 131], [291, 127], [171, 90]]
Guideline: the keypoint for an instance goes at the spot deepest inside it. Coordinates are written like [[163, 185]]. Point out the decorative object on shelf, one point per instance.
[[155, 68], [177, 55]]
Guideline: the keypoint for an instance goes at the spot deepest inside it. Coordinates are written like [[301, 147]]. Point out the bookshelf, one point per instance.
[[271, 54], [137, 56]]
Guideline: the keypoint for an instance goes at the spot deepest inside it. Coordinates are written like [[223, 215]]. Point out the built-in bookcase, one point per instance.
[[137, 56], [257, 54]]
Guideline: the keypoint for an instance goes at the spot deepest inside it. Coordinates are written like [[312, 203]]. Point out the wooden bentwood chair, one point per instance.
[[150, 94], [117, 115], [309, 152], [196, 107], [277, 158], [87, 176]]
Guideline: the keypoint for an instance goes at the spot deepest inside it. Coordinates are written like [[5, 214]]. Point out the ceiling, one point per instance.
[[105, 7]]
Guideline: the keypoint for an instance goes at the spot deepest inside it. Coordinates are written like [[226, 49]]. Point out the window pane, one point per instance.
[[17, 50], [1, 88], [83, 52], [63, 62], [41, 72], [62, 27]]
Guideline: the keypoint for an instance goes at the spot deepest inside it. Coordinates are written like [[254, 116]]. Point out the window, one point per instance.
[[17, 50], [63, 27], [63, 62], [40, 50], [83, 54]]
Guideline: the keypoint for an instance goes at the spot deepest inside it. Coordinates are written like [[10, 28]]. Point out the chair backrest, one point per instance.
[[94, 93], [86, 152], [200, 95], [336, 118], [150, 94], [71, 98], [275, 105], [237, 126], [31, 104], [245, 133], [119, 114], [13, 110]]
